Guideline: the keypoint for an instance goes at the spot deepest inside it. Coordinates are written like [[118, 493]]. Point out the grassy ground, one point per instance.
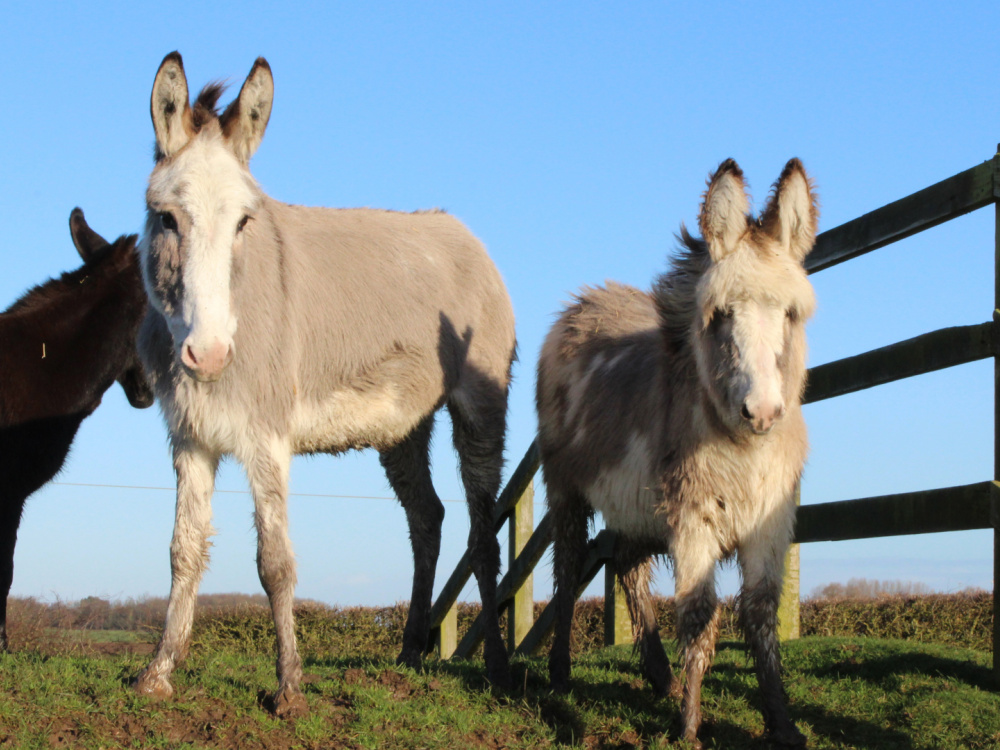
[[845, 693]]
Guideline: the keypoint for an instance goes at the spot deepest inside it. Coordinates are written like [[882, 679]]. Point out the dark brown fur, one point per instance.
[[64, 344]]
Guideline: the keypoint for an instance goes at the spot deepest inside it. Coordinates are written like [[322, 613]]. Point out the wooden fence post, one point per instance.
[[788, 606], [996, 414], [617, 621], [521, 614], [448, 633]]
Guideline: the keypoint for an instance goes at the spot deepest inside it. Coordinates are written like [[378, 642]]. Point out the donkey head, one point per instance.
[[200, 198], [754, 298], [115, 266]]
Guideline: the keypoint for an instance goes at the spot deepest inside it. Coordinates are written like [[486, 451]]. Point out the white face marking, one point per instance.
[[738, 354], [201, 195], [759, 335]]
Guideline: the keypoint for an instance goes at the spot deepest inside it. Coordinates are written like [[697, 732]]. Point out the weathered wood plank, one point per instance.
[[447, 637], [521, 610], [961, 508], [617, 620], [516, 575], [937, 350], [948, 199], [509, 496], [601, 550], [789, 610], [996, 437]]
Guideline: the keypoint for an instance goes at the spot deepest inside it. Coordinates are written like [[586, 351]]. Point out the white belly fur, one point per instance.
[[626, 494], [352, 419]]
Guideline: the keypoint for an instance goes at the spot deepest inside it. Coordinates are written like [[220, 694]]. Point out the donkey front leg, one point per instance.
[[195, 470], [10, 519], [633, 565], [762, 563], [267, 471], [695, 555]]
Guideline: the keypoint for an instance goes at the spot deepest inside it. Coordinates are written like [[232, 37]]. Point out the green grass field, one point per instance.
[[844, 692]]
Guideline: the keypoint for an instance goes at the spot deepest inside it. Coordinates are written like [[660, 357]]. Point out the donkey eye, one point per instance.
[[167, 221], [243, 223], [722, 314]]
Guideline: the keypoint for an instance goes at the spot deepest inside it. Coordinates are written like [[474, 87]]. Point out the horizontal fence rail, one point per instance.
[[929, 352], [973, 506], [965, 192]]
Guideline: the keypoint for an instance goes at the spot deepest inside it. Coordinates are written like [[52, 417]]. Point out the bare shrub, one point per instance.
[[862, 588]]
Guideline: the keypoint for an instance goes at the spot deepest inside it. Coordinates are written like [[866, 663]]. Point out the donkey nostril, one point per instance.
[[745, 413], [189, 357]]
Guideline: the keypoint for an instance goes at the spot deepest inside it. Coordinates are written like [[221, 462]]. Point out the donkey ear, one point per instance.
[[244, 120], [792, 213], [169, 107], [723, 215], [85, 239]]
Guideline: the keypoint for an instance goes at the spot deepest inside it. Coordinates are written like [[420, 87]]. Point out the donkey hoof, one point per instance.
[[157, 688], [498, 670], [559, 677], [410, 658], [671, 687], [500, 677], [288, 704], [692, 741], [788, 736], [559, 684], [676, 690]]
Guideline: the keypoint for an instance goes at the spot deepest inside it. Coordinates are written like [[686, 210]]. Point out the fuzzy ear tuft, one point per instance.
[[724, 208], [245, 119], [792, 213], [169, 107], [85, 239]]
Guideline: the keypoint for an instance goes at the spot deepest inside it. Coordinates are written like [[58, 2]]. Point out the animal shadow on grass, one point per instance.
[[652, 716], [857, 733], [877, 670]]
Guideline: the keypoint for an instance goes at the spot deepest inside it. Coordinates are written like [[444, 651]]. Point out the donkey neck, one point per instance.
[[63, 351]]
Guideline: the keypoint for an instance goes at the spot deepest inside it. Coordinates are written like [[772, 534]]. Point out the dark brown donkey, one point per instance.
[[62, 346]]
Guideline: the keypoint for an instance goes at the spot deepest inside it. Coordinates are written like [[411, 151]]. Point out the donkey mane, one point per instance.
[[675, 292], [55, 289], [205, 107]]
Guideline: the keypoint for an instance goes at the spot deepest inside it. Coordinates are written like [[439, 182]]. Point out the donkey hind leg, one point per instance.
[[267, 471], [570, 518], [633, 566], [695, 554], [407, 467], [195, 471], [478, 431], [762, 563], [9, 522]]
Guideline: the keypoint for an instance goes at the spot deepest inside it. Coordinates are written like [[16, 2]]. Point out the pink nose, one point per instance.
[[762, 419], [206, 363]]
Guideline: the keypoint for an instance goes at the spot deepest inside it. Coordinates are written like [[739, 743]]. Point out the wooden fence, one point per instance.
[[974, 506]]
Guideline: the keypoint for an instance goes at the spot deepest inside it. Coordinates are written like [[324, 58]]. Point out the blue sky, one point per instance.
[[573, 139]]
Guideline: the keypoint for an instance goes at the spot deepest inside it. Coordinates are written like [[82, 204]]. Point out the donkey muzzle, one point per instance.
[[206, 363]]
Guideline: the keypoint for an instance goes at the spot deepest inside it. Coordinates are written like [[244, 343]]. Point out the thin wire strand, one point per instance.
[[230, 492]]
